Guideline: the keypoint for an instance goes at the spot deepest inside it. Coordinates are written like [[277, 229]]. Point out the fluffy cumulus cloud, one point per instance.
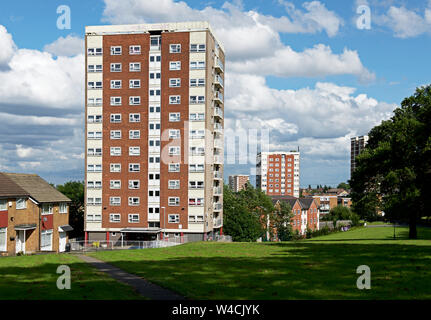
[[264, 52], [406, 23], [41, 107], [66, 46], [319, 119]]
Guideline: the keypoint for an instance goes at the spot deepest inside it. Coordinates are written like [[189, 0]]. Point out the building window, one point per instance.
[[134, 167], [46, 208], [133, 218], [196, 201], [94, 135], [134, 101], [197, 99], [94, 217], [94, 168], [134, 66], [115, 184], [94, 201], [155, 92], [46, 240], [174, 133], [134, 49], [134, 184], [21, 203], [115, 151], [114, 201], [3, 239], [133, 201], [134, 117], [134, 83], [115, 118], [197, 116], [94, 184], [115, 167], [115, 134], [174, 167], [134, 134], [94, 102], [196, 168], [197, 82], [174, 151], [196, 184], [174, 218], [173, 201], [115, 84], [194, 65], [174, 48], [94, 68], [115, 51], [95, 85], [134, 151], [197, 47], [115, 67], [115, 101], [173, 184], [3, 205], [174, 117], [155, 75], [175, 65], [114, 217], [174, 82], [94, 51], [175, 99]]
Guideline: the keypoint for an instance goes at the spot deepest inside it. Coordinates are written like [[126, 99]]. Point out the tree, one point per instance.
[[394, 170], [342, 213], [243, 213], [343, 185], [74, 190], [282, 222]]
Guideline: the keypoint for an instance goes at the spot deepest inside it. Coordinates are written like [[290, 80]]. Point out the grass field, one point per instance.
[[35, 277], [321, 268]]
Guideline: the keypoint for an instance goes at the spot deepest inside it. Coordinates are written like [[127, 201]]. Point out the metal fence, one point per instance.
[[96, 245]]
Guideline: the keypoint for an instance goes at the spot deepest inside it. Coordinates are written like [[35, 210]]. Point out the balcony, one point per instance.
[[218, 112], [218, 175], [218, 81], [217, 190], [218, 97], [154, 217], [218, 128], [218, 222], [218, 143], [218, 159], [217, 206], [218, 65]]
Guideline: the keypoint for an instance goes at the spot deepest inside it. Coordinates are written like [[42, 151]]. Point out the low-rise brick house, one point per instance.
[[34, 216], [305, 212]]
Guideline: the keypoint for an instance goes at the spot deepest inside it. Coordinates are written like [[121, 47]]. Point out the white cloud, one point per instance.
[[406, 23], [7, 47], [66, 46], [314, 62]]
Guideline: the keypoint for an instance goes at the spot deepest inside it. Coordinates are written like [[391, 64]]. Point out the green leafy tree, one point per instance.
[[282, 221], [74, 190], [343, 185], [394, 170]]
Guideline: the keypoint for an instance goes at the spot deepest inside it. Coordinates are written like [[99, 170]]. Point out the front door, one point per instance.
[[62, 239], [20, 241]]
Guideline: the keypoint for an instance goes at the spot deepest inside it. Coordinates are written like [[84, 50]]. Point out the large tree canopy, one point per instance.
[[394, 171], [74, 190]]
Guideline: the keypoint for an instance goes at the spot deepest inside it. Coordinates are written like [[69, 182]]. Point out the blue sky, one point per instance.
[[311, 98]]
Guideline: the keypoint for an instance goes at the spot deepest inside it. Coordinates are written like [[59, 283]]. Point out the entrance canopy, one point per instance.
[[65, 228], [29, 226], [141, 230]]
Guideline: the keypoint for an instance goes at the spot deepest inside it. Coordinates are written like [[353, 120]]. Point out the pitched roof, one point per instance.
[[8, 188], [288, 199], [36, 187], [306, 202]]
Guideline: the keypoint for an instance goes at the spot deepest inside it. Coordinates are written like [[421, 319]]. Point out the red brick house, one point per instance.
[[305, 212], [34, 216]]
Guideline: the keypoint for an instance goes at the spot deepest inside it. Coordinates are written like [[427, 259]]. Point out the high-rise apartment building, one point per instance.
[[154, 131], [238, 182], [357, 145], [277, 173]]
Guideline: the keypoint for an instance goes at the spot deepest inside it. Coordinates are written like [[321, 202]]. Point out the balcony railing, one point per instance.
[[218, 159], [218, 127], [218, 81], [218, 97], [217, 190], [218, 222], [218, 206], [218, 112], [219, 65], [218, 143], [218, 175]]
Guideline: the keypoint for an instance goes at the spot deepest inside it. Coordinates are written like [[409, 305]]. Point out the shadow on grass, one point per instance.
[[40, 282], [298, 270]]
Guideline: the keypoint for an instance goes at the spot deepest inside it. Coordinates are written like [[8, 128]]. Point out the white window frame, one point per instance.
[[116, 50], [174, 65], [134, 49], [21, 203], [134, 83], [134, 67], [116, 84], [175, 48], [133, 218], [116, 67], [173, 201], [114, 217], [175, 99], [115, 134], [174, 117], [173, 218], [174, 82]]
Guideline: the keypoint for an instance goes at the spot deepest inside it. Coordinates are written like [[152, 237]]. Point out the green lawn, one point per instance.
[[35, 277], [321, 268]]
